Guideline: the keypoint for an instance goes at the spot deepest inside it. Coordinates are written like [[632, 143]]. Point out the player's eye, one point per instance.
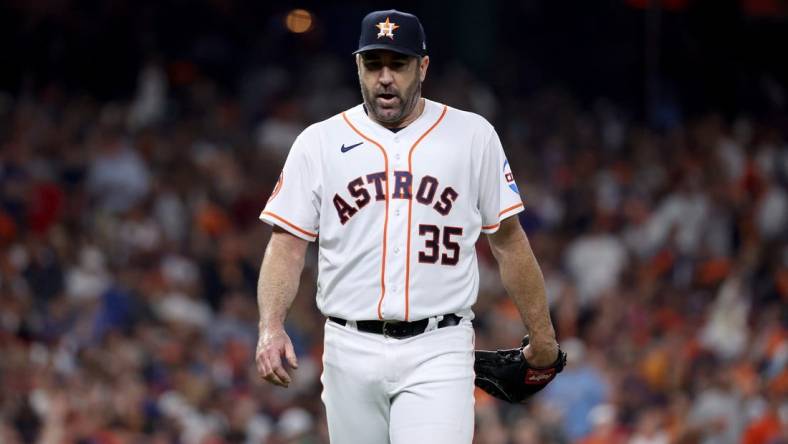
[[373, 65]]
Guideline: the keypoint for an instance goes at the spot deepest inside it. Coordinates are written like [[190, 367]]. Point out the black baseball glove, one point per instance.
[[506, 374]]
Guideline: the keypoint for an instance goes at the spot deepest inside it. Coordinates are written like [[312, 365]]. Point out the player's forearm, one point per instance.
[[280, 274], [523, 280]]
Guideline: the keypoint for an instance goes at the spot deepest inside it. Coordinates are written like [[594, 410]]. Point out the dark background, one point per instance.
[[690, 55]]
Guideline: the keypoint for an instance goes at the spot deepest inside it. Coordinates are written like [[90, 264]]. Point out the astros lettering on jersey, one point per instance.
[[417, 199]]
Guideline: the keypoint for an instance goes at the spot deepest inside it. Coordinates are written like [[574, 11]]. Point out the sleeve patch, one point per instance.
[[278, 186], [509, 177]]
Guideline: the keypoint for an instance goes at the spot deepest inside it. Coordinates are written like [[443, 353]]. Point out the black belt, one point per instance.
[[399, 329]]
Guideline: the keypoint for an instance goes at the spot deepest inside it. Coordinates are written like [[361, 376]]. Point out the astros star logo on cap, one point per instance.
[[387, 29]]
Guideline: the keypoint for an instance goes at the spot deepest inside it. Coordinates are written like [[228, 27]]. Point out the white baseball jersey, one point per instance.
[[397, 215]]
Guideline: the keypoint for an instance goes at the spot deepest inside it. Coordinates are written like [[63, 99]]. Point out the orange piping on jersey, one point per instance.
[[510, 209], [493, 226], [410, 207], [290, 224], [385, 220]]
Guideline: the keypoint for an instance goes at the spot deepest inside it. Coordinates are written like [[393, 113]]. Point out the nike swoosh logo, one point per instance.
[[345, 149]]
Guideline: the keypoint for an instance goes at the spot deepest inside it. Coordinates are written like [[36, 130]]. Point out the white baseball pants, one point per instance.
[[380, 390]]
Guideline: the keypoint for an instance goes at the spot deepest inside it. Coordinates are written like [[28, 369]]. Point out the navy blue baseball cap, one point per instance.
[[393, 30]]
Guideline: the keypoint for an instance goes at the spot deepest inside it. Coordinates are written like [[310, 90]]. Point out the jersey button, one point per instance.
[[396, 156], [396, 250]]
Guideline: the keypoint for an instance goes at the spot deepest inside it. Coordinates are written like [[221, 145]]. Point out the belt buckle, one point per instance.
[[386, 333]]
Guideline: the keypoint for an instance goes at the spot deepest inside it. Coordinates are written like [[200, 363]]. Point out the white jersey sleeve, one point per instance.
[[499, 196], [294, 204]]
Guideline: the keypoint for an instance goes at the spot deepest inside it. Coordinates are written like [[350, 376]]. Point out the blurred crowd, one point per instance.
[[130, 247]]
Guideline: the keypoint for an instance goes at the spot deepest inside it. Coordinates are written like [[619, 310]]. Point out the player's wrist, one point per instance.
[[270, 328], [545, 342]]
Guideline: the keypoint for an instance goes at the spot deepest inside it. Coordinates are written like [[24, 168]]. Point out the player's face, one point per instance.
[[391, 85]]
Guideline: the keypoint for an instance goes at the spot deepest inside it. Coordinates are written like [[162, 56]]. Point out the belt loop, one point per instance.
[[432, 323], [352, 325]]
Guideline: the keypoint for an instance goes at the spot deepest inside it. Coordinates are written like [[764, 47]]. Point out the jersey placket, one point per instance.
[[393, 306]]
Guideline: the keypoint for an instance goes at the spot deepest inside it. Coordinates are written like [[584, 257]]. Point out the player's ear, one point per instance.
[[424, 63], [358, 64]]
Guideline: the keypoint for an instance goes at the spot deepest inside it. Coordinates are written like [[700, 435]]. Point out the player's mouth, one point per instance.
[[387, 100]]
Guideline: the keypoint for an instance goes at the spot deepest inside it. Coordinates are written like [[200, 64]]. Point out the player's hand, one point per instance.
[[271, 347], [541, 354]]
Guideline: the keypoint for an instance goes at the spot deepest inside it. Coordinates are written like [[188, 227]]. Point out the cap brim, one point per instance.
[[388, 48]]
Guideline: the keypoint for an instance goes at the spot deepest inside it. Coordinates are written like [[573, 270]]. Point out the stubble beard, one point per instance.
[[408, 102]]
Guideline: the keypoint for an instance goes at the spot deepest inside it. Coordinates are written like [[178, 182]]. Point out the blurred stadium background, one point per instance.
[[140, 139]]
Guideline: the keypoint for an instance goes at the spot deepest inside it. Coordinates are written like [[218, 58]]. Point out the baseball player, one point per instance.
[[396, 191]]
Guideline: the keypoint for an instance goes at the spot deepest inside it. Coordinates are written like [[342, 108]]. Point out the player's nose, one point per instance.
[[386, 77]]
